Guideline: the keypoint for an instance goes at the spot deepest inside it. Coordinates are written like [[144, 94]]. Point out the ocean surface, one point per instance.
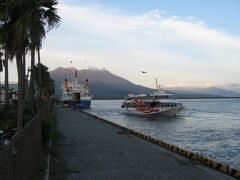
[[210, 127]]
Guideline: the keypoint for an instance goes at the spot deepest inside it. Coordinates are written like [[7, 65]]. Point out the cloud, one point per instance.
[[175, 49], [234, 85], [93, 68], [111, 23], [188, 85], [153, 14]]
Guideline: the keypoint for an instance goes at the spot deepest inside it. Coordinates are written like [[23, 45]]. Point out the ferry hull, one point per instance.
[[155, 111], [83, 104]]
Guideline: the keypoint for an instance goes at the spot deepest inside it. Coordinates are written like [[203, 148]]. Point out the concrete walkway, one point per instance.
[[93, 149]]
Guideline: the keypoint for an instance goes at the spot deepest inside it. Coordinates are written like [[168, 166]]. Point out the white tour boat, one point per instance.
[[76, 94], [157, 103]]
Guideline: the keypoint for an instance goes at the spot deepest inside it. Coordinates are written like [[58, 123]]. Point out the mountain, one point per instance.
[[212, 91], [105, 85]]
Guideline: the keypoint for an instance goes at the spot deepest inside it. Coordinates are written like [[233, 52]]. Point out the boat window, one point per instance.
[[153, 104]]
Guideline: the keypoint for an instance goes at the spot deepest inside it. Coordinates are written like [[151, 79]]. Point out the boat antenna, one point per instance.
[[74, 78]]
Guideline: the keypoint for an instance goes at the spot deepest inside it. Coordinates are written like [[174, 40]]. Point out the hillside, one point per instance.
[[212, 91], [105, 85]]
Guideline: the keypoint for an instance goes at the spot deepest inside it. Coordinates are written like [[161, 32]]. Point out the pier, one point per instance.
[[92, 149]]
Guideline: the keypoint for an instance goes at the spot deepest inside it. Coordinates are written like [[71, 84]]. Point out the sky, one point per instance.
[[182, 43]]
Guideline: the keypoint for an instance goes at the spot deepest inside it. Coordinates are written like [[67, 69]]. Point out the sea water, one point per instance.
[[210, 127]]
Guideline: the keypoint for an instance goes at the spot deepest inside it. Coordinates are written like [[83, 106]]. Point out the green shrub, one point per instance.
[[8, 118]]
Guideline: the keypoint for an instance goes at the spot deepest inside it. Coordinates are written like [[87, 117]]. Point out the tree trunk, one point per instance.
[[6, 79], [24, 77], [32, 82], [20, 70], [39, 73], [6, 65]]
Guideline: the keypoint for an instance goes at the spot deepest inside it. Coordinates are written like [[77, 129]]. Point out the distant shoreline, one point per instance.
[[176, 98]]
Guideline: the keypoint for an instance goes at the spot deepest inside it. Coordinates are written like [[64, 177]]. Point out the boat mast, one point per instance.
[[158, 86], [76, 76]]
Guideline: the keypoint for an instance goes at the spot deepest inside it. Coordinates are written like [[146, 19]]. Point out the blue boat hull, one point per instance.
[[83, 104]]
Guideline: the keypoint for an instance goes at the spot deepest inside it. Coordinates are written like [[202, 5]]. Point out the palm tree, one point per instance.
[[44, 18], [18, 20], [52, 20], [14, 34], [48, 86], [6, 101]]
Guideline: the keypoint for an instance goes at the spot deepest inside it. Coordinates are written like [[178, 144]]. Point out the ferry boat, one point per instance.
[[76, 94], [159, 102]]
